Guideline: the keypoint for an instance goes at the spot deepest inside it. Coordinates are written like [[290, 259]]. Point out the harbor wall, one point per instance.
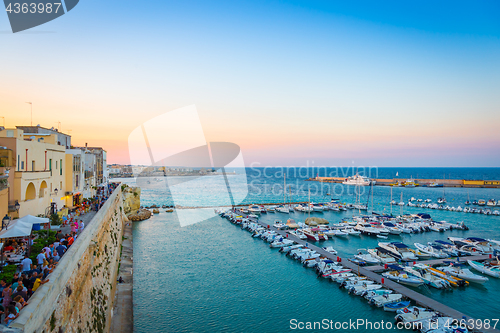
[[421, 182], [80, 292]]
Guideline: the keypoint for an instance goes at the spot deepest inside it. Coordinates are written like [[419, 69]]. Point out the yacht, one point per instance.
[[481, 202], [491, 202], [283, 209], [254, 209], [317, 207], [358, 181]]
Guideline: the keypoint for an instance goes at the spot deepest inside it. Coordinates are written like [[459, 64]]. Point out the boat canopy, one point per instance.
[[438, 247], [382, 250], [442, 242], [389, 224], [424, 215], [395, 267], [476, 239], [328, 261], [399, 245]]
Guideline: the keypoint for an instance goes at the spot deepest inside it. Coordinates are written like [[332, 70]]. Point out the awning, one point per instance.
[[17, 228], [34, 220]]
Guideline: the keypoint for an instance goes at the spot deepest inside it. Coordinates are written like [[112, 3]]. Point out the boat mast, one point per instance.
[[372, 195], [403, 202], [284, 190], [309, 206], [391, 201]]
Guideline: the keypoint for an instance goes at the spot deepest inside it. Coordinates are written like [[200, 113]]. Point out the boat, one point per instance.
[[435, 251], [393, 307], [382, 255], [399, 251], [477, 244], [351, 231], [382, 236], [362, 254], [330, 249], [491, 202], [381, 300], [358, 290], [420, 271], [316, 207], [457, 269], [446, 247], [358, 181], [393, 229], [413, 317], [254, 209], [453, 280], [398, 274], [283, 209], [434, 184], [493, 271], [481, 202]]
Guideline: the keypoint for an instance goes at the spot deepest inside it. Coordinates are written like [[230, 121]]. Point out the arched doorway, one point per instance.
[[41, 192], [30, 192]]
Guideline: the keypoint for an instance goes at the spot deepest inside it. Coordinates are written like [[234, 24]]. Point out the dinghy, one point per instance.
[[393, 307], [457, 269], [488, 270]]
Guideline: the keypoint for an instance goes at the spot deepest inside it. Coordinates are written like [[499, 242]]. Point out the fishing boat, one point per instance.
[[399, 275], [393, 307], [362, 254], [493, 271], [358, 181], [435, 251], [399, 251], [457, 269]]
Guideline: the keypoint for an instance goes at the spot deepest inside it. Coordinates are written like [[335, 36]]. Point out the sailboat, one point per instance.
[[443, 199], [284, 209], [468, 199]]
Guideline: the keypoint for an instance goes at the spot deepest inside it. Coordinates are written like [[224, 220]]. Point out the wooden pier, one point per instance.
[[433, 262], [418, 298]]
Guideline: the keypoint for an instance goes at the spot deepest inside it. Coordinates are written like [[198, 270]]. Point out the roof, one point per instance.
[[396, 267]]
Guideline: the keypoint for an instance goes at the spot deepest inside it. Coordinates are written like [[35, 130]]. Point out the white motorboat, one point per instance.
[[363, 255], [414, 316], [493, 271], [398, 250], [457, 269], [358, 290], [316, 207], [358, 181], [254, 209], [446, 247], [480, 245], [330, 249], [286, 249], [381, 300], [283, 209], [299, 234], [435, 251], [366, 229], [382, 255], [393, 229], [421, 272], [400, 276], [281, 243], [393, 307], [351, 231]]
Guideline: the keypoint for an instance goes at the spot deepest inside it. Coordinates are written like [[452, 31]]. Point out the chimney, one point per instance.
[[85, 144]]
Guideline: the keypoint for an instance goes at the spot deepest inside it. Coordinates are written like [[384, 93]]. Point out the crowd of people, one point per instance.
[[15, 294]]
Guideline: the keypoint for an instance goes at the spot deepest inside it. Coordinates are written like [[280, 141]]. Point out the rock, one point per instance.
[[131, 199], [139, 215], [315, 221], [156, 211]]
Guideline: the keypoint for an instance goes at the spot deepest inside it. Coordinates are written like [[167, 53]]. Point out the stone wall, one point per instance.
[[79, 296]]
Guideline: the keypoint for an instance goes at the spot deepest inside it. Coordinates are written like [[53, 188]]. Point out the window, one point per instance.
[[56, 165], [32, 165], [18, 162], [22, 165], [50, 167], [10, 133], [60, 168]]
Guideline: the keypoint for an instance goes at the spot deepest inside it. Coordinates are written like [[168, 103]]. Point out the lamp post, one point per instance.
[[5, 221], [55, 191], [17, 206]]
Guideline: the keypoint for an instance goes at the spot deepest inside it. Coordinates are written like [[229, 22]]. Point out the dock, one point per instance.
[[418, 298], [433, 262], [419, 182]]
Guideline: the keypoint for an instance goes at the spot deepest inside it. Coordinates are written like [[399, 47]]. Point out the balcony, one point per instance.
[[33, 175]]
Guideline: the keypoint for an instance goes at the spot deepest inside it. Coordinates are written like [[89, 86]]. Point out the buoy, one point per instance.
[[414, 262], [268, 226], [383, 280], [385, 266]]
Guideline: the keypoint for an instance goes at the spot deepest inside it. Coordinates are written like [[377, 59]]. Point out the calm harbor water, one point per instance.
[[212, 276]]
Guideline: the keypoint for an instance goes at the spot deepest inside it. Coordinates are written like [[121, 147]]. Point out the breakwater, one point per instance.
[[420, 182], [79, 295]]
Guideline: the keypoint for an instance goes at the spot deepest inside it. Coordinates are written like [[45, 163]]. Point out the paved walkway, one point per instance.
[[123, 311]]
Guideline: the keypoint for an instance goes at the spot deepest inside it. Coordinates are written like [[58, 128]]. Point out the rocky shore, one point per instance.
[[139, 215]]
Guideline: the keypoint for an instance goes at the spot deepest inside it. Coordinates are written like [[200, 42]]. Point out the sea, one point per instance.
[[208, 275]]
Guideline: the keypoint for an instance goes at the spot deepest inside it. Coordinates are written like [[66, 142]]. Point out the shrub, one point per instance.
[[55, 219], [8, 273]]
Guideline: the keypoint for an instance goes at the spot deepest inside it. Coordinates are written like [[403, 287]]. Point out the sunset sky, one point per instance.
[[378, 83]]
